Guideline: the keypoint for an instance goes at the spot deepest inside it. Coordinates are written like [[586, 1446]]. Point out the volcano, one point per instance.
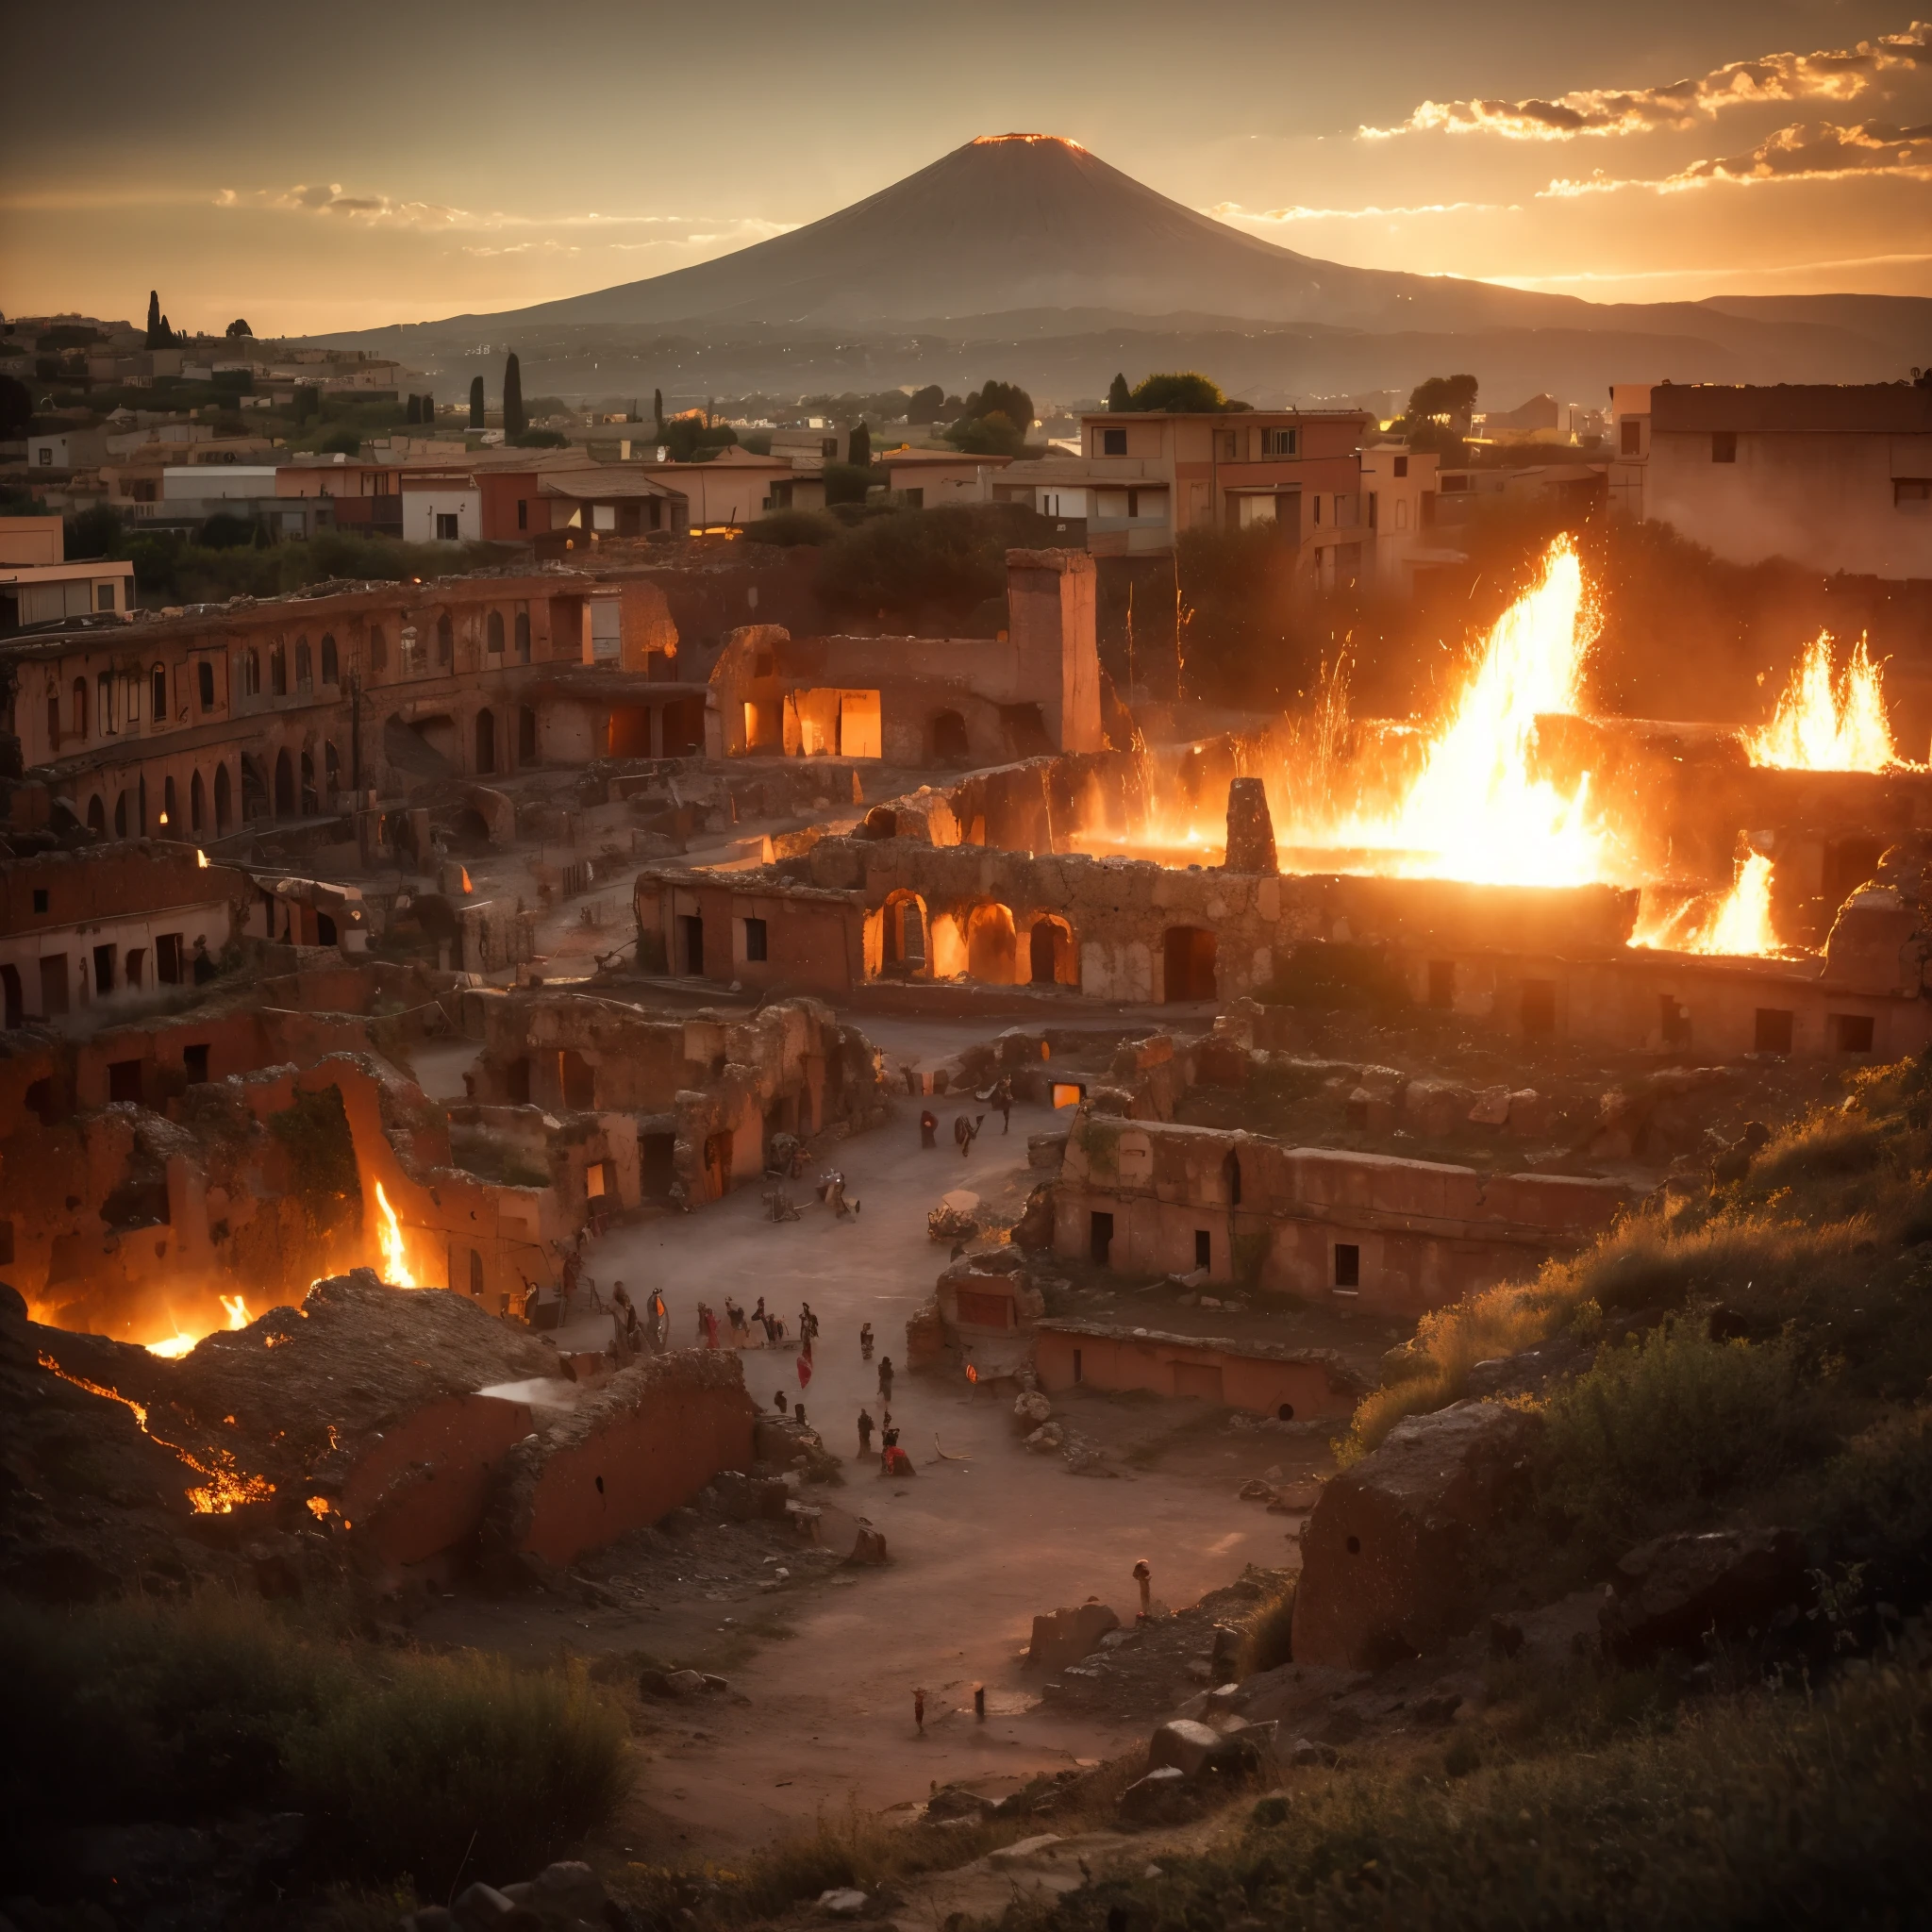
[[1026, 222]]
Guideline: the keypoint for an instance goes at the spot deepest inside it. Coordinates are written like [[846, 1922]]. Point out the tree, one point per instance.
[[1447, 400], [657, 411], [96, 532], [1185, 392], [428, 409], [1118, 395], [859, 453], [996, 435], [414, 412], [157, 339], [514, 421], [239, 328], [1007, 399], [475, 402], [923, 405]]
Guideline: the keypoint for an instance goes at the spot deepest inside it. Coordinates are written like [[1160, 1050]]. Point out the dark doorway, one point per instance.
[[1773, 1031], [1539, 1008], [690, 943], [194, 1064], [1100, 1236], [1050, 954], [516, 1082], [655, 1156], [10, 988], [1848, 864], [476, 1274], [486, 740], [53, 985], [950, 744], [526, 736], [123, 1082], [285, 786], [1204, 1247], [1189, 955], [1851, 1032], [225, 800], [576, 1081], [1348, 1264]]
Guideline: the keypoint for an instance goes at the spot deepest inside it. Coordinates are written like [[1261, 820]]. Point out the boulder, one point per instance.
[[951, 1803], [1046, 1150], [870, 1544], [1030, 1409], [1668, 1593], [483, 1908], [1184, 1743], [841, 1902], [670, 1683], [1047, 1440], [1164, 1796], [1064, 1637], [1492, 1107], [1387, 1555]]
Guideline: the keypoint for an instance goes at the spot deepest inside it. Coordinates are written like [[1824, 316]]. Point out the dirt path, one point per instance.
[[978, 1545]]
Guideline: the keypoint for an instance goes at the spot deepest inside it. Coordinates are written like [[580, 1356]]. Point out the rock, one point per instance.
[[1047, 1440], [1303, 1751], [841, 1902], [712, 1681], [1387, 1564], [1295, 1499], [1255, 1491], [951, 1802], [670, 1683], [1186, 1744], [869, 1546], [1529, 1115], [1030, 1410], [483, 1908], [1250, 830], [568, 1892], [1023, 1849], [746, 1499], [1162, 1797], [1045, 1150], [1668, 1593], [1227, 1648], [1064, 1637], [1491, 1109], [1530, 1370]]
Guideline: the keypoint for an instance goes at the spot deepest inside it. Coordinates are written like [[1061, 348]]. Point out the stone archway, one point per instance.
[[1051, 958], [992, 944]]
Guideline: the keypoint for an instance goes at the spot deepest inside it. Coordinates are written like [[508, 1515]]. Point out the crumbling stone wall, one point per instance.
[[1403, 1236]]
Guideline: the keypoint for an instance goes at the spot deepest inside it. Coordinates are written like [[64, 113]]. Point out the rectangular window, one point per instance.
[[594, 1181], [915, 499], [1348, 1265], [167, 958], [53, 985], [1113, 442], [1374, 511], [1851, 1032], [1772, 1030], [123, 1082], [1401, 466], [1317, 502], [194, 1062], [1203, 1248], [104, 596], [39, 898], [1231, 446], [135, 965], [1630, 437], [754, 940], [1723, 445], [1280, 442], [445, 528]]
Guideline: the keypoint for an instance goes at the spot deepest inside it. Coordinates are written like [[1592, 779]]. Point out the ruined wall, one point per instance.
[[624, 1456], [1403, 1236], [1265, 1381], [811, 940]]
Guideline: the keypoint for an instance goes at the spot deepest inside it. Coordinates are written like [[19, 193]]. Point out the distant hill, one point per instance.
[[1024, 256]]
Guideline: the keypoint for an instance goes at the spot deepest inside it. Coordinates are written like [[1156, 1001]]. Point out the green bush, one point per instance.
[[1674, 1419], [188, 1712], [914, 561], [789, 527]]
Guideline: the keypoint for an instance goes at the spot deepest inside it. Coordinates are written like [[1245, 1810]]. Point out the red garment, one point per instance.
[[804, 1370], [711, 1329]]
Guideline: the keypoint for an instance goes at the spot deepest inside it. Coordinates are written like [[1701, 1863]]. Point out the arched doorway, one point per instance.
[[285, 786], [121, 816], [97, 815], [1189, 956], [991, 946], [902, 934], [950, 746], [225, 800], [1050, 952], [486, 740]]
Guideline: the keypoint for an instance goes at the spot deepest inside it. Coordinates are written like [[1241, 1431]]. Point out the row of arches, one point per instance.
[[983, 943], [287, 676]]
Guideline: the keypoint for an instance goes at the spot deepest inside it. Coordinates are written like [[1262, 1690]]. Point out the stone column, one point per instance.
[[1250, 830]]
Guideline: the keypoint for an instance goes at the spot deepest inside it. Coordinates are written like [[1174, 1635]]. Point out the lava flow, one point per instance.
[[395, 1256]]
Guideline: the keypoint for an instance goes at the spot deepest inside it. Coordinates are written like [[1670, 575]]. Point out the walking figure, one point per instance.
[[928, 1128], [865, 1343], [918, 1710], [1003, 1099], [965, 1131], [865, 1427], [885, 1378]]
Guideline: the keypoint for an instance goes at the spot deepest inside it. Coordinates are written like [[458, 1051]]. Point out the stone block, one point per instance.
[[1668, 1593], [1064, 1637]]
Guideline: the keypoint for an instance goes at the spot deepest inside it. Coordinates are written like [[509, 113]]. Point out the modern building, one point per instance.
[[38, 586]]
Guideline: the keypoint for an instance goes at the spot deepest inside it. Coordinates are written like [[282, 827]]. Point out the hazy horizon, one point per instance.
[[444, 160]]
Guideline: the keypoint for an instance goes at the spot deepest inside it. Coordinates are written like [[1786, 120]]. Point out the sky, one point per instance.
[[368, 163]]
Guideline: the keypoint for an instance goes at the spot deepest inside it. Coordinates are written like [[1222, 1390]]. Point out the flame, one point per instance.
[[1826, 721], [175, 1346], [1739, 926], [972, 1373], [238, 1310], [396, 1257], [1476, 809], [225, 1487]]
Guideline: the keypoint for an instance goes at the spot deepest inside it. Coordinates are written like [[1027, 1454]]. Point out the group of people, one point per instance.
[[966, 1126]]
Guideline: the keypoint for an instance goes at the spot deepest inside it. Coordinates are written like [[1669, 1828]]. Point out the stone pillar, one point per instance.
[[1051, 606], [1250, 828]]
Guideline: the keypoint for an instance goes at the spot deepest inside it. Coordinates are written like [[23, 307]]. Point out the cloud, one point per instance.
[[1234, 211], [1825, 75], [1806, 150]]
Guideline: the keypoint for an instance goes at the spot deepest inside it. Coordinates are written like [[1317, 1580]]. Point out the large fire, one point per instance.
[[395, 1256], [1827, 720], [1738, 924]]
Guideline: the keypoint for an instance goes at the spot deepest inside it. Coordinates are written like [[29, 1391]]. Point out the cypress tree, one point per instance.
[[1118, 395], [475, 402], [154, 320], [514, 421], [415, 410], [658, 409], [429, 408], [167, 333], [859, 453]]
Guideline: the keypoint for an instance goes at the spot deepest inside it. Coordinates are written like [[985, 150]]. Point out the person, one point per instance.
[[1143, 1576], [889, 1444], [780, 1401], [734, 1319], [805, 1366], [711, 1325], [885, 1378], [808, 1324], [928, 1128], [572, 1267], [918, 1710], [965, 1130], [624, 1321], [1003, 1099], [762, 1322], [865, 1343], [798, 1412], [659, 1322], [865, 1427]]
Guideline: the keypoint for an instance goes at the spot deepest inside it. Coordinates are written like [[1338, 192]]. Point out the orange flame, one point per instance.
[[1827, 722], [395, 1256], [238, 1310], [1739, 926]]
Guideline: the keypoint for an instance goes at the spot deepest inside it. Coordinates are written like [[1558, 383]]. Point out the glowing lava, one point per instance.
[[396, 1257], [1827, 721], [238, 1310], [1740, 925]]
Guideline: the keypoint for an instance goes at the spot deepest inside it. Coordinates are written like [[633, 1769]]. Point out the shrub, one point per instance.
[[1674, 1419], [1268, 1639], [788, 526]]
